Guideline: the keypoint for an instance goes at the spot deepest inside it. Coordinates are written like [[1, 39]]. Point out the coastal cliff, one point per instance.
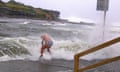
[[18, 10]]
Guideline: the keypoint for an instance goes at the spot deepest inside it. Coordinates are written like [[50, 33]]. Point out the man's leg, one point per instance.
[[42, 50], [48, 49]]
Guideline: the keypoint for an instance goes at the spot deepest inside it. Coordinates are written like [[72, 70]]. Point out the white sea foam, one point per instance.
[[62, 49], [76, 19], [7, 58], [115, 27], [26, 22], [46, 24]]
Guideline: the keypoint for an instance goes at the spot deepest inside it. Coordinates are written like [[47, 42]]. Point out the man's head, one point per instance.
[[44, 35]]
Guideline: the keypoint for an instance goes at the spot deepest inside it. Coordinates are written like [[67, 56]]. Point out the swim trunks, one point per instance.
[[49, 43]]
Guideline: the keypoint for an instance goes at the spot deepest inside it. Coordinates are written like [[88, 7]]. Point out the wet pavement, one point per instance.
[[58, 65]]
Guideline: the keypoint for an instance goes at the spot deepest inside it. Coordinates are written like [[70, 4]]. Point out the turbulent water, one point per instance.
[[20, 39]]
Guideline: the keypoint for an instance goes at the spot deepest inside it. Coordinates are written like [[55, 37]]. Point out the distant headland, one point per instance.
[[13, 9]]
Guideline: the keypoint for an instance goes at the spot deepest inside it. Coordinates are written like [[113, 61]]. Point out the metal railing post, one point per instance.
[[91, 50]]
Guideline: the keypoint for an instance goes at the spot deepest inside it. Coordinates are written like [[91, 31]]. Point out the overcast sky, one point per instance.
[[78, 8]]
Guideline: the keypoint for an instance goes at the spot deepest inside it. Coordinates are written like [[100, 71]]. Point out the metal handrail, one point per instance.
[[91, 50]]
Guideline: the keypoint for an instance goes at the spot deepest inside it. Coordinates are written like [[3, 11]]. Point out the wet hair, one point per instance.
[[44, 35]]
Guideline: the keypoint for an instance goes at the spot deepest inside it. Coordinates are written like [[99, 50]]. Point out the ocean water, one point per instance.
[[20, 39]]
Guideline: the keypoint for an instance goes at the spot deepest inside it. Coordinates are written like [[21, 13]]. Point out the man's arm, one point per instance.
[[42, 42]]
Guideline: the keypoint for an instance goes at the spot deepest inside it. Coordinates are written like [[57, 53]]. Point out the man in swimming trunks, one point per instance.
[[46, 43]]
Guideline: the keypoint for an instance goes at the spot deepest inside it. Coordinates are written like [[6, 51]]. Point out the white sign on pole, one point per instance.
[[102, 5]]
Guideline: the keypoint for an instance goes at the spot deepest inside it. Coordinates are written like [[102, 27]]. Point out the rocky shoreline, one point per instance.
[[13, 9]]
